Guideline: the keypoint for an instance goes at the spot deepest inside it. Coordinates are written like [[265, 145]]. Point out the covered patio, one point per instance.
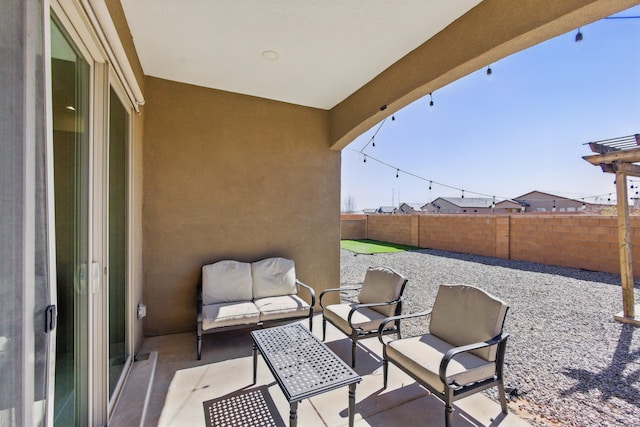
[[182, 384], [193, 132]]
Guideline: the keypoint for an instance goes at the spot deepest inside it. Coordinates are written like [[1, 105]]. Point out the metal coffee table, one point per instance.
[[302, 365]]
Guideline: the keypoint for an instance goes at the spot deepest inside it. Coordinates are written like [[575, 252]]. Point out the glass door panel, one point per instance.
[[70, 105], [117, 272]]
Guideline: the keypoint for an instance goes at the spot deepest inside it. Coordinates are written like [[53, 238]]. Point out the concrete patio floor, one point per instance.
[[182, 383]]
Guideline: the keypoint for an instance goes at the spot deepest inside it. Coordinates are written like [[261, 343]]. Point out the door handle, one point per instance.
[[50, 315]]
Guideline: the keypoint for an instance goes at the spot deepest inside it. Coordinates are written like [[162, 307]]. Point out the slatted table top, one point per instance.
[[302, 365]]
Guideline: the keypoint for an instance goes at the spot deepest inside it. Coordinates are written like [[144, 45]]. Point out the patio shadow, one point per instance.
[[244, 407], [612, 378]]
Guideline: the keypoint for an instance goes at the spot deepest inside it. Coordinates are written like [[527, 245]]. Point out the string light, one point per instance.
[[489, 71], [494, 197], [431, 99], [374, 135], [393, 118], [578, 36], [373, 141]]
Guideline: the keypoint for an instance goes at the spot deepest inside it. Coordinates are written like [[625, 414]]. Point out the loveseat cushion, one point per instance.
[[282, 307], [273, 277], [365, 318], [228, 314], [464, 315], [226, 281], [422, 356], [381, 284]]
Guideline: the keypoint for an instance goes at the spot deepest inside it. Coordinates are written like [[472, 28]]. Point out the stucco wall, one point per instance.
[[578, 241], [229, 176]]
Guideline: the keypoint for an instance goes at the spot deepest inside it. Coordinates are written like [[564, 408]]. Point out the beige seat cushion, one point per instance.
[[381, 284], [281, 307], [273, 277], [226, 281], [422, 356], [365, 319], [464, 315], [227, 314]]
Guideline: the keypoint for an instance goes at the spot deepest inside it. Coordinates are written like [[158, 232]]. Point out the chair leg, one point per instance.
[[199, 346], [311, 321], [385, 371], [353, 353], [503, 398], [324, 328], [448, 410]]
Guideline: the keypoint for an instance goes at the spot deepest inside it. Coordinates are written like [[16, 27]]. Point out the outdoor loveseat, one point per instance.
[[238, 294]]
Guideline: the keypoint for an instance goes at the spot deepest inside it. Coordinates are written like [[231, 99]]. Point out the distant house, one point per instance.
[[460, 205], [410, 208], [510, 206], [369, 211], [537, 201], [387, 210]]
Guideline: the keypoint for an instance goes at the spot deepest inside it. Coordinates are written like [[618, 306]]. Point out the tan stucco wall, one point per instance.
[[491, 31], [230, 176]]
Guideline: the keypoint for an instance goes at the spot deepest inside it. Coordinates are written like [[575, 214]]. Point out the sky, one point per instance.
[[518, 130]]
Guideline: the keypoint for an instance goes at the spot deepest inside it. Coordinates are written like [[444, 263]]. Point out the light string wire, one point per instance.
[[464, 191], [374, 136], [431, 181]]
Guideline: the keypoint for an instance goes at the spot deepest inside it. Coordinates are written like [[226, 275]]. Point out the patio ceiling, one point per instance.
[[303, 52]]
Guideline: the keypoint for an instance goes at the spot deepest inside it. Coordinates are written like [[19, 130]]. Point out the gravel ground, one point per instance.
[[568, 363]]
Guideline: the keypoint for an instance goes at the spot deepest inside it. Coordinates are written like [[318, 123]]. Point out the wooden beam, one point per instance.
[[627, 168], [630, 156], [624, 240], [601, 149]]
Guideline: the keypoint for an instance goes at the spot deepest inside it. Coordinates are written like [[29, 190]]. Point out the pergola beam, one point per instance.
[[628, 168], [628, 156]]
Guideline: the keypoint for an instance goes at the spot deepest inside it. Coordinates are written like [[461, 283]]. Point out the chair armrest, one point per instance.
[[448, 357], [369, 305], [310, 290], [341, 289], [384, 323]]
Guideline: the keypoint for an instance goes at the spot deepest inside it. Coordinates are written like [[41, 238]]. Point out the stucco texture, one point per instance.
[[229, 176]]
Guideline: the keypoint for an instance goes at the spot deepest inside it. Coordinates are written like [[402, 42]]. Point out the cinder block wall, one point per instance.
[[475, 234], [353, 227], [402, 229], [576, 241]]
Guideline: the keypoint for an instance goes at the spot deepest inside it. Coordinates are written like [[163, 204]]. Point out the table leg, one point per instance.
[[352, 403], [293, 414], [255, 362]]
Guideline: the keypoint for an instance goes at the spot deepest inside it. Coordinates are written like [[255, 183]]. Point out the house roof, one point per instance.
[[414, 206], [302, 52], [507, 204], [541, 195], [387, 209], [468, 202]]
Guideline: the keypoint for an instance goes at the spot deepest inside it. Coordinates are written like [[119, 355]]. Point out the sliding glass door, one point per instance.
[[119, 352], [71, 150]]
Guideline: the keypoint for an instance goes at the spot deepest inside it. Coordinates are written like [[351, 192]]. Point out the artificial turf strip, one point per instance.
[[373, 246]]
